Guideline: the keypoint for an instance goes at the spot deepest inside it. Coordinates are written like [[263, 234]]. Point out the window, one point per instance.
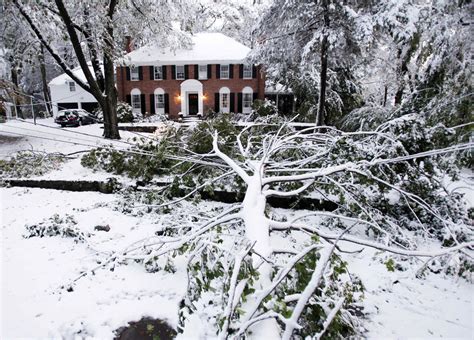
[[180, 72], [247, 102], [136, 102], [134, 74], [224, 71], [225, 102], [72, 86], [247, 71], [158, 73], [159, 102], [202, 71]]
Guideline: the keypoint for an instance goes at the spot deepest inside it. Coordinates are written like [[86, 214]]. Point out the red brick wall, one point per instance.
[[172, 87]]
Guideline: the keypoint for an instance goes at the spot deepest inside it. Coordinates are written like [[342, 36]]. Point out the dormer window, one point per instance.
[[158, 72], [72, 86], [225, 71], [202, 71], [247, 71], [134, 73], [180, 72]]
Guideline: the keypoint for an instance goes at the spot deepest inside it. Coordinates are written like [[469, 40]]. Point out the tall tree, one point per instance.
[[315, 44], [95, 30]]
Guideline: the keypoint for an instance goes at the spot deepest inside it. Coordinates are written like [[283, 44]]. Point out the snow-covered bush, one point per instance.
[[57, 226], [29, 163], [125, 113]]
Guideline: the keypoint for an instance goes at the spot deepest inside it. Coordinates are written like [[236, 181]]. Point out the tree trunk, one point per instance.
[[16, 94], [46, 95], [320, 119], [385, 94]]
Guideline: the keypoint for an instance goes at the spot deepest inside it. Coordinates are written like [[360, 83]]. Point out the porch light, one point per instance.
[[178, 98], [204, 97]]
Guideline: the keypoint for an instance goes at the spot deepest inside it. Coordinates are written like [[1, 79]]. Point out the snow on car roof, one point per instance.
[[210, 48]]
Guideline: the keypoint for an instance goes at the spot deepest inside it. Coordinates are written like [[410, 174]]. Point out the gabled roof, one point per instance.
[[64, 78], [207, 48]]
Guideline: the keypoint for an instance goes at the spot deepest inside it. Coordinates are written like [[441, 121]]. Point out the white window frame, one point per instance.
[[134, 73], [247, 71], [224, 91], [247, 99], [72, 86], [179, 72], [158, 69], [136, 104], [202, 71], [159, 100], [226, 73]]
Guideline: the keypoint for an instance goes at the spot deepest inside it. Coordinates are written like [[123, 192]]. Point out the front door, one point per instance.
[[193, 104]]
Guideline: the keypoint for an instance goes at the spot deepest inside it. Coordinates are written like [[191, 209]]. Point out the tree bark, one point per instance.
[[320, 119], [46, 95], [16, 94]]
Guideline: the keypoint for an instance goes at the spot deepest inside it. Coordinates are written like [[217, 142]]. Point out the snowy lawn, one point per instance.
[[399, 305], [33, 270]]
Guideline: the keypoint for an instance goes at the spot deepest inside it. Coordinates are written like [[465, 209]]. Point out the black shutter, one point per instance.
[[254, 71], [232, 102], [140, 73], [142, 98], [173, 71], [196, 71], [209, 71], [128, 73], [163, 72], [186, 71], [218, 71], [231, 71], [241, 71], [167, 103], [152, 104], [255, 96], [129, 99], [239, 102], [216, 102], [152, 72]]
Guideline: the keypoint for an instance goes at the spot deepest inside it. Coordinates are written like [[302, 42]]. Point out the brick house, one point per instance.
[[210, 76]]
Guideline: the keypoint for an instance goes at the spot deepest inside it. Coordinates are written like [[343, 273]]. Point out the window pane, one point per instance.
[[134, 73], [225, 100], [72, 86], [160, 101], [247, 100], [136, 103], [248, 71], [202, 71], [179, 71], [224, 71], [158, 73]]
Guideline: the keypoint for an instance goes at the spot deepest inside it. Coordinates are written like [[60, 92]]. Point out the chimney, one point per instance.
[[128, 44]]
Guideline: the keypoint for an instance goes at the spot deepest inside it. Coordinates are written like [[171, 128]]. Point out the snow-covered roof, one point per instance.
[[64, 78], [209, 48]]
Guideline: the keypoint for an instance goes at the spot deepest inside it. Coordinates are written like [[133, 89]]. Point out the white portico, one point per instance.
[[191, 97]]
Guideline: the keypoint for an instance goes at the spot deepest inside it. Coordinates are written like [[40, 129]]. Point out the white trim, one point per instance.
[[243, 71], [224, 91], [191, 86], [136, 92], [159, 93], [176, 72], [154, 72], [246, 91], [132, 69], [228, 71], [205, 72]]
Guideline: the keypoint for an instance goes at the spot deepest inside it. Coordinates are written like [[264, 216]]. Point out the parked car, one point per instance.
[[74, 117]]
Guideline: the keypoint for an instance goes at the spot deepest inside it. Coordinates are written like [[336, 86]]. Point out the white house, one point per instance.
[[67, 94]]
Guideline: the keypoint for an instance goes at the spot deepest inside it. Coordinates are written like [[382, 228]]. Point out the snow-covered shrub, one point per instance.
[[56, 226], [125, 113], [29, 163]]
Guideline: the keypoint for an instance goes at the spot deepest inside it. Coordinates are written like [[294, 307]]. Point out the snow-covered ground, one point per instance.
[[33, 305]]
